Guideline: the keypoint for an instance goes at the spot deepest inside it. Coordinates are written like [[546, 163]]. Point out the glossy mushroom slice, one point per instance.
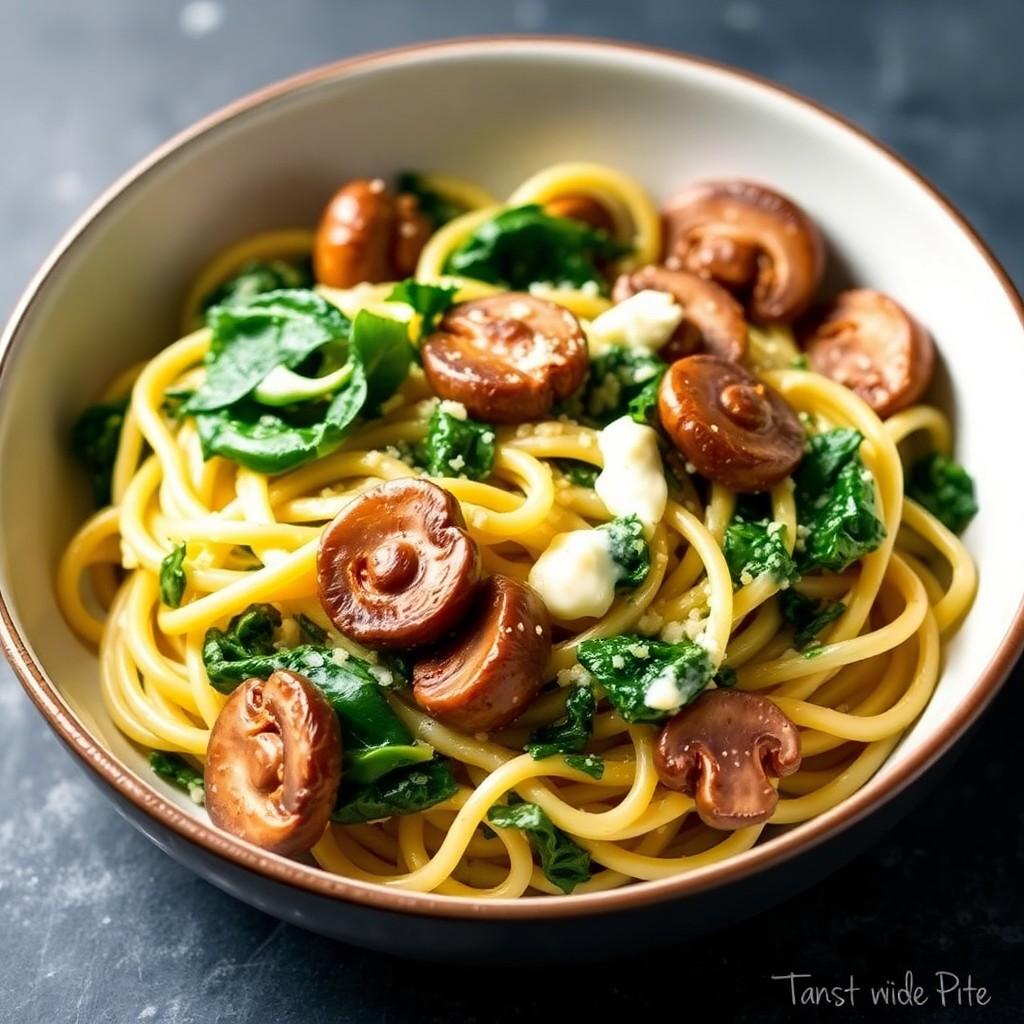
[[713, 320], [733, 428], [747, 237], [367, 234], [484, 676], [871, 344], [507, 358], [581, 207], [273, 764], [396, 567], [721, 749]]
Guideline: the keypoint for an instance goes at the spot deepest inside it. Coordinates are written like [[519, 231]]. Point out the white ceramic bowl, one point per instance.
[[492, 110]]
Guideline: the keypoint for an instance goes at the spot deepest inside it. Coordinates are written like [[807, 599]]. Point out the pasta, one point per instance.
[[729, 583]]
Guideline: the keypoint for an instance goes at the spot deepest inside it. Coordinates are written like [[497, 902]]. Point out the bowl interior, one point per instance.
[[494, 113]]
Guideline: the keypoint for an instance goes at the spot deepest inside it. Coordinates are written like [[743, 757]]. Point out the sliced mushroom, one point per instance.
[[396, 567], [870, 343], [713, 320], [273, 763], [507, 358], [581, 207], [367, 234], [746, 236], [413, 228], [484, 676], [732, 427], [721, 749]]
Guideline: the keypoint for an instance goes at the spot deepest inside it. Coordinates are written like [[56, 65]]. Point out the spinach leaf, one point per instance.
[[172, 577], [579, 474], [631, 669], [266, 442], [274, 329], [945, 489], [757, 549], [178, 772], [310, 630], [431, 301], [629, 549], [726, 676], [826, 456], [835, 497], [436, 207], [807, 615], [524, 245], [564, 863], [456, 446], [374, 739], [258, 276], [405, 791], [591, 764], [94, 441], [621, 382], [572, 732]]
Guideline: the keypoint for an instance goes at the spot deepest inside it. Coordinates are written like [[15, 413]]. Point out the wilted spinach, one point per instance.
[[456, 446], [621, 382], [627, 666], [94, 441], [172, 577], [178, 772], [807, 615], [629, 550], [256, 277], [945, 489], [405, 791], [436, 207], [431, 301], [572, 732], [757, 549], [563, 861], [524, 245]]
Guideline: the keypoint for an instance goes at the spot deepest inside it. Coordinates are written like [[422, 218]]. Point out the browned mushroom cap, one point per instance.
[[732, 427], [412, 230], [713, 320], [353, 240], [485, 675], [273, 764], [870, 343], [721, 749], [507, 358], [747, 236], [396, 567], [581, 207]]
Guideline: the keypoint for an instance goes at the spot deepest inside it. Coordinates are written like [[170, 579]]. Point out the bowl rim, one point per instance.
[[314, 880]]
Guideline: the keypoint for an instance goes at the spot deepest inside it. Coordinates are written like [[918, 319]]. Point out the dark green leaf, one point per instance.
[[726, 677], [579, 474], [835, 498], [757, 549], [256, 277], [381, 348], [405, 791], [351, 685], [457, 447], [172, 577], [524, 245], [945, 489], [438, 209], [94, 441], [365, 766], [310, 630], [431, 301], [807, 615], [621, 382], [629, 549], [572, 732], [590, 764], [627, 666], [273, 329], [564, 863], [178, 772]]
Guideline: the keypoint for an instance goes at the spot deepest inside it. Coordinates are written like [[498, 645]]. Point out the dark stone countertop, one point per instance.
[[99, 926]]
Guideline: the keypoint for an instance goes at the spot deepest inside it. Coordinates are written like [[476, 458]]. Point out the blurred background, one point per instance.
[[98, 925]]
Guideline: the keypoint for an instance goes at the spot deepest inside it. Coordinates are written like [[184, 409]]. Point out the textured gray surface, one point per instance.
[[97, 925]]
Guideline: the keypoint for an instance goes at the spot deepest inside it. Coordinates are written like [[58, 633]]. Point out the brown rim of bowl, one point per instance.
[[318, 882]]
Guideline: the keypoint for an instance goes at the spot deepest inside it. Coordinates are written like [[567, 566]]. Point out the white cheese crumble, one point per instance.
[[643, 322], [633, 479], [576, 575], [576, 674], [455, 409]]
